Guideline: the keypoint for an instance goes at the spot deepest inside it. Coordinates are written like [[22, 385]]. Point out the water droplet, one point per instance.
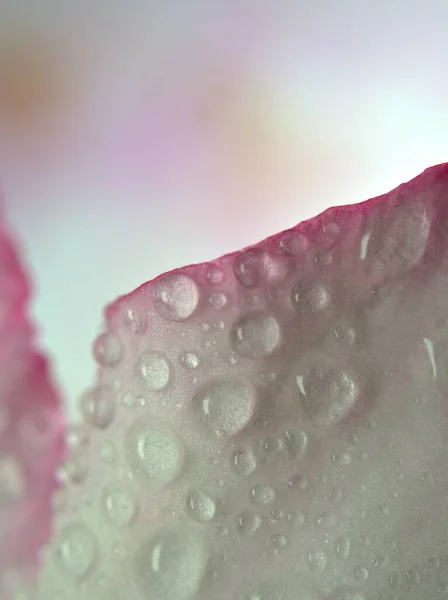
[[119, 506], [175, 296], [128, 400], [296, 443], [200, 506], [311, 296], [334, 494], [327, 392], [317, 561], [214, 275], [226, 406], [273, 444], [361, 573], [107, 350], [342, 547], [76, 550], [262, 494], [154, 452], [153, 370], [135, 322], [171, 565], [247, 266], [98, 406], [189, 360], [12, 480], [256, 334], [217, 300], [248, 523], [243, 461], [279, 540], [77, 438], [298, 482], [293, 243]]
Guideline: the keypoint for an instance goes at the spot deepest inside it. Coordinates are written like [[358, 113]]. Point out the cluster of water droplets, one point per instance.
[[230, 447]]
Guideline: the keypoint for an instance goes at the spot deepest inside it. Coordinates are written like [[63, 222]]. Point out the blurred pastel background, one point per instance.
[[137, 136]]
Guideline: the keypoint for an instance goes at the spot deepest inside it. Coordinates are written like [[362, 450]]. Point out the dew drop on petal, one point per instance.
[[175, 296]]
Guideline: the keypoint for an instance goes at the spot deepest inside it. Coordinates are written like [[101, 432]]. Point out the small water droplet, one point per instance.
[[279, 540], [248, 523], [317, 561], [98, 406], [119, 506], [327, 392], [262, 494], [361, 573], [217, 300], [175, 296], [298, 482], [296, 442], [214, 275], [135, 322], [342, 547], [243, 461], [200, 506], [107, 350], [273, 444], [77, 438], [247, 268], [153, 371], [256, 334], [76, 550], [189, 360], [128, 400], [334, 494]]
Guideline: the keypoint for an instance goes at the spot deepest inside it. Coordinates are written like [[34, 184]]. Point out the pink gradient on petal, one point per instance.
[[32, 427]]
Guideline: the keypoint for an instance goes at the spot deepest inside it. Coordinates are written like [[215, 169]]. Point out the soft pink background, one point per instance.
[[138, 136]]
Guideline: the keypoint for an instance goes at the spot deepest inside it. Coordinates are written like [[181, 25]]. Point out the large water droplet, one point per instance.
[[154, 452], [98, 406], [76, 550], [107, 349], [225, 407], [119, 505], [255, 334], [153, 370], [171, 566], [175, 296], [200, 506]]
